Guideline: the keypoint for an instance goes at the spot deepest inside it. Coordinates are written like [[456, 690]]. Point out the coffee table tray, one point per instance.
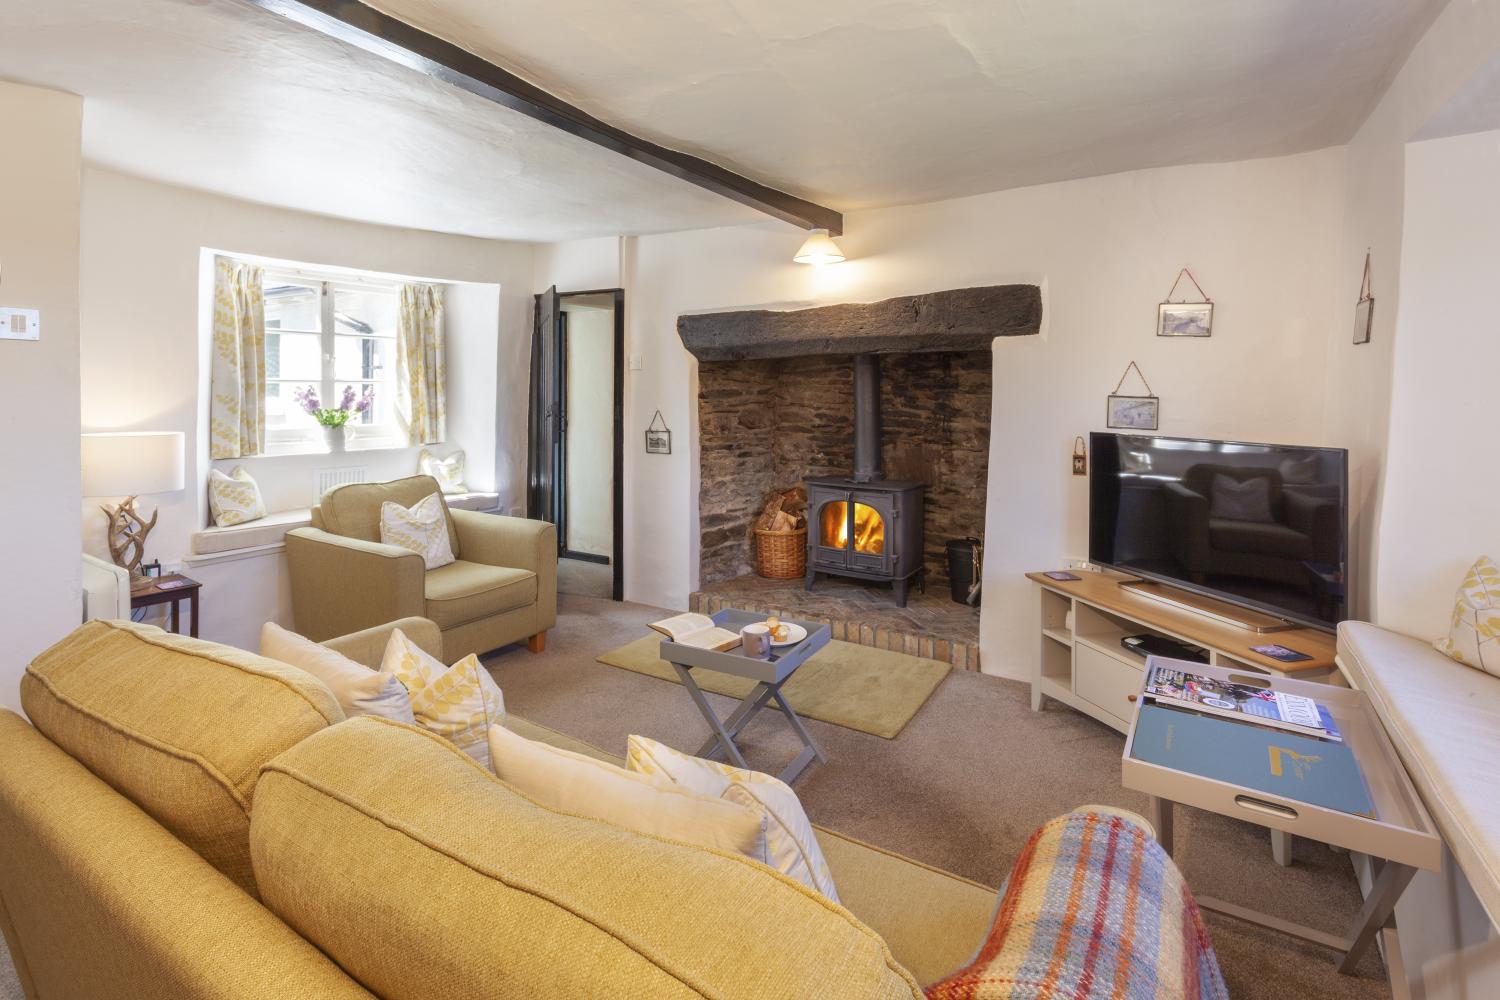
[[783, 662], [1402, 831]]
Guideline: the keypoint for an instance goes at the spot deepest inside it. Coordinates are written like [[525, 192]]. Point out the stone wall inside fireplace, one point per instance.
[[767, 424]]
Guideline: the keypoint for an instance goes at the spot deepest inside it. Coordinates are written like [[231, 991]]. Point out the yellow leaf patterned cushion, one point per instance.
[[1474, 633], [422, 528], [458, 703], [449, 472], [791, 846], [235, 498]]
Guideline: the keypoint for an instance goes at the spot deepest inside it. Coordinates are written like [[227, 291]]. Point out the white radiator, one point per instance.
[[326, 479]]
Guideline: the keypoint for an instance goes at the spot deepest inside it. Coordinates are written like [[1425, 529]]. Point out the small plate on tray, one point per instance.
[[794, 634]]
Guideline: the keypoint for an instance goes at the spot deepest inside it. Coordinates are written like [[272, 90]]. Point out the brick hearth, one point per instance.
[[932, 625]]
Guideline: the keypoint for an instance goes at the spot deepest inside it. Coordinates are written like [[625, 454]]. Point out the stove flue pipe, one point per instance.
[[868, 467]]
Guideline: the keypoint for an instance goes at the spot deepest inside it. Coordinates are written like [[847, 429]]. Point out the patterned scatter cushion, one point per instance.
[[422, 528], [449, 472], [235, 498], [1093, 910], [459, 703], [1474, 633], [360, 690], [791, 846], [1244, 500]]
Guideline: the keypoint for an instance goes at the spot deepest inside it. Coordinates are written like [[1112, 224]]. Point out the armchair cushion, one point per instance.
[[462, 592], [354, 510]]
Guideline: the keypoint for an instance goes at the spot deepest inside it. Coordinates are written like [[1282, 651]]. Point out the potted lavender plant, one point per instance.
[[333, 419]]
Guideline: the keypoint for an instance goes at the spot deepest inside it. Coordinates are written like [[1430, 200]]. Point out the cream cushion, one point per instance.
[[1474, 632], [449, 472], [422, 528], [235, 498], [459, 703], [360, 690], [791, 846], [583, 786]]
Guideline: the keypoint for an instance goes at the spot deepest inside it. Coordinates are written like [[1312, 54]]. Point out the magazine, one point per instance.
[[1171, 684], [697, 630]]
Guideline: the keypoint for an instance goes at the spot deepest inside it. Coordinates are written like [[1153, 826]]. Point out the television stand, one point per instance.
[[1223, 611]]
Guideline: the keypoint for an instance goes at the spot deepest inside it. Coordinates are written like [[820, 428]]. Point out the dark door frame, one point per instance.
[[617, 558]]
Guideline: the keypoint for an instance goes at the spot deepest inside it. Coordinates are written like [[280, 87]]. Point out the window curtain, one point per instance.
[[419, 356], [237, 411]]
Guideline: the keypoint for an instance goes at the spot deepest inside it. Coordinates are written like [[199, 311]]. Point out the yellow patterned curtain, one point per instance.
[[237, 413], [419, 354]]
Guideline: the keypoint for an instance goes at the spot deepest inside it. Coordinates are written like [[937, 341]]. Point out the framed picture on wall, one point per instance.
[[1133, 413], [1185, 319], [1364, 317]]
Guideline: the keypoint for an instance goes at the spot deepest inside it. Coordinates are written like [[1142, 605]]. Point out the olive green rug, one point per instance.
[[874, 691]]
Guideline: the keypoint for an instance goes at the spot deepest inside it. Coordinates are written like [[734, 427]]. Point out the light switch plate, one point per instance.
[[20, 324], [637, 362]]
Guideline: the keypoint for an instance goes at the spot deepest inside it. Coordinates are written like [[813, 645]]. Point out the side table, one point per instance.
[[172, 589]]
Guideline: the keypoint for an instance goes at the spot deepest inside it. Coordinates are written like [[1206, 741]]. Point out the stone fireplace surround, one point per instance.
[[776, 405]]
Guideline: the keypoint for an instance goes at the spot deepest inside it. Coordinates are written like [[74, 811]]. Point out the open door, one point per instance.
[[544, 426]]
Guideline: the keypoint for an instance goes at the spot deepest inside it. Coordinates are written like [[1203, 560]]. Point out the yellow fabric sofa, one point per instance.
[[382, 860], [501, 589]]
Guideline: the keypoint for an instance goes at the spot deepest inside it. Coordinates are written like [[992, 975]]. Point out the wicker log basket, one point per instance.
[[781, 555], [781, 535]]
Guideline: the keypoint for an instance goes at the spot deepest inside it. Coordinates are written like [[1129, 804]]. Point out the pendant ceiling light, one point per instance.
[[819, 249]]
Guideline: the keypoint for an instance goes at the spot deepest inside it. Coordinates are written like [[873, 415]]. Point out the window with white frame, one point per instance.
[[328, 340]]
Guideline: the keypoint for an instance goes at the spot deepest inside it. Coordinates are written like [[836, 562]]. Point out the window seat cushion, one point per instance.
[[272, 528]]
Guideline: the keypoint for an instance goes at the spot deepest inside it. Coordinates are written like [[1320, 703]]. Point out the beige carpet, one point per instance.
[[874, 691], [972, 775]]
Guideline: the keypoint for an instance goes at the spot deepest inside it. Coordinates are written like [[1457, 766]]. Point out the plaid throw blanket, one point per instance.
[[1092, 910]]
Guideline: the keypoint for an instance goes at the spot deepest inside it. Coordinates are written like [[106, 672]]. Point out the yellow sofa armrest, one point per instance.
[[368, 646], [342, 585], [518, 543]]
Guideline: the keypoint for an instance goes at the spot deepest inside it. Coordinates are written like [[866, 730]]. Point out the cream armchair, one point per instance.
[[502, 588]]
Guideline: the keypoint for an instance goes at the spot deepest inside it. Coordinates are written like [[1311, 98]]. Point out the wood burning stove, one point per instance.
[[865, 526]]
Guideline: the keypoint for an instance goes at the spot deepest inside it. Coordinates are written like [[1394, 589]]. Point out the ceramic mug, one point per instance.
[[755, 641]]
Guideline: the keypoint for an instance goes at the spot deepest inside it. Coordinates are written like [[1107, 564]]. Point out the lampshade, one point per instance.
[[819, 249], [132, 463]]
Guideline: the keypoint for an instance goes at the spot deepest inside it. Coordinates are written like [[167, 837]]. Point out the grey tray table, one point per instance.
[[770, 675], [1400, 839]]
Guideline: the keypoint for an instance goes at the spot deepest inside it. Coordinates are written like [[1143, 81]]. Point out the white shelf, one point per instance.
[[1058, 635]]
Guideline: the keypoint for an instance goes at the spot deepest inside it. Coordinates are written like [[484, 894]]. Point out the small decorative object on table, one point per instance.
[[1136, 413], [334, 419], [1185, 319], [658, 438]]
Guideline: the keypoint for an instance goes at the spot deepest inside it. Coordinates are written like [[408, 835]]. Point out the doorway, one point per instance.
[[575, 477]]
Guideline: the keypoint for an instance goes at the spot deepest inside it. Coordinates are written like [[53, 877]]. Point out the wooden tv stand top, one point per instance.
[[1103, 591]]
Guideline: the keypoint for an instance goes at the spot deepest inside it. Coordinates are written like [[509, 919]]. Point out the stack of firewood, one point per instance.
[[784, 510]]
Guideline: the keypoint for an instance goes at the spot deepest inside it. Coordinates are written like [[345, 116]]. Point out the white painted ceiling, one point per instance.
[[852, 103]]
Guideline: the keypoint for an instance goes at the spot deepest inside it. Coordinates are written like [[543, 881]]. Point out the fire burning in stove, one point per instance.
[[869, 527]]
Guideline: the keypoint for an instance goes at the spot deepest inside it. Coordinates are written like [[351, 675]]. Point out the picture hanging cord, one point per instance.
[[1127, 375], [1171, 291], [652, 426], [1365, 291]]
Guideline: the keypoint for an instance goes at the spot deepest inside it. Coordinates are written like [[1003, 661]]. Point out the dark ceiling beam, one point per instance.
[[369, 29]]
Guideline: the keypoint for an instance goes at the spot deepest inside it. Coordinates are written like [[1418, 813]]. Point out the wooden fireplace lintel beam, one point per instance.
[[960, 319]]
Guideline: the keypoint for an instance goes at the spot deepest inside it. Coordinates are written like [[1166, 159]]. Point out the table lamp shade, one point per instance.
[[132, 463]]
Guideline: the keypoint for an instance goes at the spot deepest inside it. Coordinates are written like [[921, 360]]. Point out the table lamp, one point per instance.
[[127, 465]]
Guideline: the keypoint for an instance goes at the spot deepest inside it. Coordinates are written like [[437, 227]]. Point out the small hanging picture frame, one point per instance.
[[1132, 413], [1185, 319], [1080, 457], [1364, 309], [658, 438]]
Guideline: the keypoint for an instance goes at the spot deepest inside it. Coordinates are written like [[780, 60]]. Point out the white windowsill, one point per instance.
[[281, 449]]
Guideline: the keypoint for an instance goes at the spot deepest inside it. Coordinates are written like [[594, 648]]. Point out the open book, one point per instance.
[[697, 630]]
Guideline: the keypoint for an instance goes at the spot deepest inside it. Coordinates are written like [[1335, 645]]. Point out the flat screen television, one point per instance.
[[1263, 526]]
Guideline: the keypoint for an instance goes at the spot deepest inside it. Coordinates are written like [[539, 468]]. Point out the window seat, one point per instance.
[[272, 528]]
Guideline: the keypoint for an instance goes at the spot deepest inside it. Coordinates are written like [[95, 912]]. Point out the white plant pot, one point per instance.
[[335, 438]]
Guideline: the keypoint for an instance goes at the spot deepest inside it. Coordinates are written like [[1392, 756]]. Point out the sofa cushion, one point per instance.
[[462, 592], [1251, 538], [484, 891], [354, 510], [179, 726], [1443, 718]]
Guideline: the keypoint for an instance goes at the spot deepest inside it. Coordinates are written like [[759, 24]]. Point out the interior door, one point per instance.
[[545, 422]]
